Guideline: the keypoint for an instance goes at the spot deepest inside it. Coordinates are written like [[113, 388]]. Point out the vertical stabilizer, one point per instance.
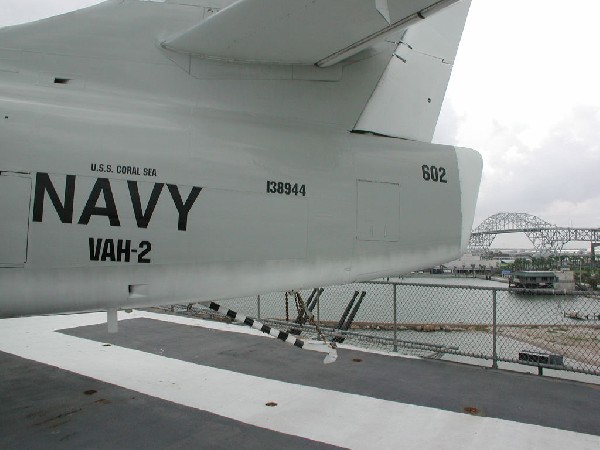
[[409, 96]]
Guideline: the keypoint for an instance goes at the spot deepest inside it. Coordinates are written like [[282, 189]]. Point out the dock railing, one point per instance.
[[432, 320]]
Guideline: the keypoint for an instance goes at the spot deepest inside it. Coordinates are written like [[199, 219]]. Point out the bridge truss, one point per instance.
[[543, 235]]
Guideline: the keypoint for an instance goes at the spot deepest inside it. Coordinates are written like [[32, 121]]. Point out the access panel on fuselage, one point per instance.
[[15, 192], [378, 211]]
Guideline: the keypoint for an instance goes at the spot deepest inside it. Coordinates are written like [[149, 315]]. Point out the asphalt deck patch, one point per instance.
[[523, 398]]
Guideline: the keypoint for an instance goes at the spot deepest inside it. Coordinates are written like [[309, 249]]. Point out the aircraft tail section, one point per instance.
[[409, 96], [118, 47], [331, 62]]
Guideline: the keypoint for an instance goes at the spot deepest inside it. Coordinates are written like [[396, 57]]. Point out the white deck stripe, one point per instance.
[[337, 418], [240, 317]]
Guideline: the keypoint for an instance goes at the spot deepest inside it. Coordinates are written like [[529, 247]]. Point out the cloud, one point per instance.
[[580, 214], [525, 96], [556, 179], [16, 12]]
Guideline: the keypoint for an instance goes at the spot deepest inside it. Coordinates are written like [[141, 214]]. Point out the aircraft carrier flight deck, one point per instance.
[[165, 381]]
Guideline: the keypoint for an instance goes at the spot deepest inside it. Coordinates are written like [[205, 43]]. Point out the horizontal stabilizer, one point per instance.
[[321, 32]]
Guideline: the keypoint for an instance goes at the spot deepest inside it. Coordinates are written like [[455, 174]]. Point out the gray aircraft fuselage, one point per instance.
[[123, 197]]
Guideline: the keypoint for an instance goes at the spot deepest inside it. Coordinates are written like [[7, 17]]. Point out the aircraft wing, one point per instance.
[[321, 32]]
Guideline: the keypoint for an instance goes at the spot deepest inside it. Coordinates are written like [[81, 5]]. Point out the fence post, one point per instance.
[[318, 309], [258, 307], [395, 318], [494, 331]]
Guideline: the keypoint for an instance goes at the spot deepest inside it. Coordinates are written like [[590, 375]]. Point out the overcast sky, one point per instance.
[[524, 92]]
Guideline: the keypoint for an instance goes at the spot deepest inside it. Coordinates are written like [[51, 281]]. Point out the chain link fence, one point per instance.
[[498, 324]]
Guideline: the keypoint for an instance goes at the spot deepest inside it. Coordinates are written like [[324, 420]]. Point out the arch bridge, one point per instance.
[[543, 235]]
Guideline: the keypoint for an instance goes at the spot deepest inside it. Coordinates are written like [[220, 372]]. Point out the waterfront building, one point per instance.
[[563, 280], [534, 279]]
